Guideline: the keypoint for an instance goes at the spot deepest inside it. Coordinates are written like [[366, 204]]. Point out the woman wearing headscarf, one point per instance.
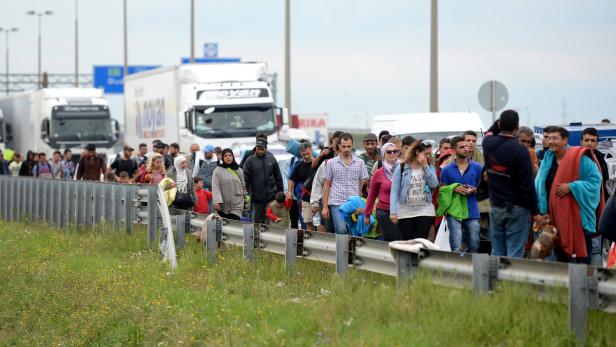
[[183, 179], [380, 188], [228, 187]]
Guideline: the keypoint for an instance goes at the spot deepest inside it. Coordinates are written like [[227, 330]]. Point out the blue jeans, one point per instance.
[[509, 228], [466, 230], [339, 223]]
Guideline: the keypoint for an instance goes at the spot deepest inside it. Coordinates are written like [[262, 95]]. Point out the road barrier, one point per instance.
[[83, 204], [86, 205]]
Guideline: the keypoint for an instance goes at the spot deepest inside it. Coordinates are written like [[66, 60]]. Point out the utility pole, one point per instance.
[[76, 44], [287, 55], [192, 31], [125, 42], [7, 32], [40, 19], [434, 57]]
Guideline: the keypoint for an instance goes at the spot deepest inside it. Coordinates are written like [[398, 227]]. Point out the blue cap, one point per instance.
[[208, 149]]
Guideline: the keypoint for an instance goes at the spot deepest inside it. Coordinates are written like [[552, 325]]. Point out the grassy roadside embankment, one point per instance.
[[70, 288]]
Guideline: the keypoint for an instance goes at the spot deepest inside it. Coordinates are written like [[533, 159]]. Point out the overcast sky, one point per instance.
[[356, 58]]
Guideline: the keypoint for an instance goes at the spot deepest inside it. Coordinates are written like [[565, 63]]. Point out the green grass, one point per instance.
[[76, 288]]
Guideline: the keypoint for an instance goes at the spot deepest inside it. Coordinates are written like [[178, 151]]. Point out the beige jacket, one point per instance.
[[228, 190]]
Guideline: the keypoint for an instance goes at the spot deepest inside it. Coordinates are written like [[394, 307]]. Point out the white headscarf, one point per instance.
[[387, 167], [181, 178]]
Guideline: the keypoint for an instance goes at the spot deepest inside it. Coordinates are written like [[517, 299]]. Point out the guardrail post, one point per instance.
[[578, 300], [342, 253], [407, 264], [249, 242], [180, 230], [290, 249], [210, 241], [481, 273]]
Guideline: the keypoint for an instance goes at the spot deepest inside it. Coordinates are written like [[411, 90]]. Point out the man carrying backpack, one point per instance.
[[43, 169]]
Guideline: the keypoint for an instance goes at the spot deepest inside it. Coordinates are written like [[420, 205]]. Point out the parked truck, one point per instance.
[[220, 104], [2, 132], [51, 119]]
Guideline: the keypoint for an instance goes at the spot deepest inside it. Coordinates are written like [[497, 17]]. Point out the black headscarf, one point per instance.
[[233, 165]]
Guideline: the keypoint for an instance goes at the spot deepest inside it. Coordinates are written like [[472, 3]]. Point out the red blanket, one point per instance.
[[565, 211]]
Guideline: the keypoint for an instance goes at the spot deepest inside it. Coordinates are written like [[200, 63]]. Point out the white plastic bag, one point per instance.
[[442, 237]]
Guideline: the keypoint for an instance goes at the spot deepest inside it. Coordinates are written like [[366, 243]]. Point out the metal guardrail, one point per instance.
[[588, 287], [87, 204], [83, 204]]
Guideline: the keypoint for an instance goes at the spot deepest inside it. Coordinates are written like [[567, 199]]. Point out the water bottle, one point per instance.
[[316, 219]]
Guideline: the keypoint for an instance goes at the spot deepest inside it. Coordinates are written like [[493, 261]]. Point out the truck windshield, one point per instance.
[[230, 121], [80, 123], [79, 129]]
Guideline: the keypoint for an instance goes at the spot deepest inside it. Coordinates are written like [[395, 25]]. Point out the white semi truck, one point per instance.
[[51, 119], [220, 104]]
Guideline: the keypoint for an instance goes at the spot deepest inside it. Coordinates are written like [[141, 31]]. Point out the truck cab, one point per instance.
[[2, 132], [49, 119], [231, 113]]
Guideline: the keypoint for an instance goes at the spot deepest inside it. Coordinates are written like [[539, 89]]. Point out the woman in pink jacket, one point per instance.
[[380, 188]]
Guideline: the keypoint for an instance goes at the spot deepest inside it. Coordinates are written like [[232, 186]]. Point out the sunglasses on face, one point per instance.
[[394, 151]]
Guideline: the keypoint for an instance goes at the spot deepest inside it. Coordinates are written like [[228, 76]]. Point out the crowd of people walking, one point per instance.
[[495, 200]]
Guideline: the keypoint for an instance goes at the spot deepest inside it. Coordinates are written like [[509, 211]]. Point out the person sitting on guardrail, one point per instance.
[[569, 190], [410, 202], [228, 191], [467, 173], [278, 211]]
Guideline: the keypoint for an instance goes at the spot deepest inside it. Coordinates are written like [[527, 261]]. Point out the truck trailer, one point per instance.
[[220, 104], [50, 119]]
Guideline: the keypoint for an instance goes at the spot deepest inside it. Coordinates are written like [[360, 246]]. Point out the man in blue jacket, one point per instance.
[[467, 173]]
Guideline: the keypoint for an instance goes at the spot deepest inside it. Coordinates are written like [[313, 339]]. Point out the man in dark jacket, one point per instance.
[[261, 136], [512, 191], [263, 179], [28, 165], [91, 167]]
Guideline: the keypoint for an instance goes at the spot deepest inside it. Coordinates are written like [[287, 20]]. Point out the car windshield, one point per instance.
[[225, 121], [76, 129]]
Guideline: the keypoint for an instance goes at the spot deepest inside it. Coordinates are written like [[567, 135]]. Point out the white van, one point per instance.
[[429, 126]]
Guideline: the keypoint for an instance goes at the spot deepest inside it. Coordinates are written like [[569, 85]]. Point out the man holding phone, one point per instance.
[[467, 173]]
